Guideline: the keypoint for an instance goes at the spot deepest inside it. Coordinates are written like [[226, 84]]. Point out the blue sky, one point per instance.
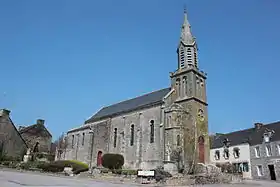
[[63, 60]]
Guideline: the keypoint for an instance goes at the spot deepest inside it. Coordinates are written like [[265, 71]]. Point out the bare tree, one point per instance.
[[61, 145]]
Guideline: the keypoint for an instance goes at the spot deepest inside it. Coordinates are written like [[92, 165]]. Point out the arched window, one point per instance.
[[178, 140], [185, 85], [132, 135], [73, 140], [83, 139], [152, 135], [169, 121], [178, 85], [115, 137]]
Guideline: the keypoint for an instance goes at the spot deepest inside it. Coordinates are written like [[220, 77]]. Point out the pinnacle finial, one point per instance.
[[185, 14], [185, 9]]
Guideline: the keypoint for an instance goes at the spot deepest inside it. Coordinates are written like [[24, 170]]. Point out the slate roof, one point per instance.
[[143, 101], [253, 136]]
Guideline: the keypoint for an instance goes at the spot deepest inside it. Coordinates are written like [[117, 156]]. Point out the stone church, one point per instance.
[[158, 129]]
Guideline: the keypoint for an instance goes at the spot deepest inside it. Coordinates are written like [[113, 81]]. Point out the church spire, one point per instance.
[[186, 35], [187, 48]]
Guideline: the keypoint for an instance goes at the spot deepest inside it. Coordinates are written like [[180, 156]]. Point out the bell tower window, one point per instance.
[[195, 57], [182, 57], [189, 56]]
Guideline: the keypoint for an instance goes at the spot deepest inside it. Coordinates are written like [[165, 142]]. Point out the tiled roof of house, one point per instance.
[[143, 101], [26, 129], [235, 138], [253, 136]]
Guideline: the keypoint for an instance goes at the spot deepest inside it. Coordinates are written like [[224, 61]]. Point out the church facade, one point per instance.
[[165, 126]]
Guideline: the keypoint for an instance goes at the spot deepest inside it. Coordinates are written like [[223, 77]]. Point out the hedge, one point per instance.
[[124, 171], [58, 166], [112, 161]]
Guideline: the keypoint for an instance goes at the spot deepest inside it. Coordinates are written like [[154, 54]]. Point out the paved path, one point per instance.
[[18, 179]]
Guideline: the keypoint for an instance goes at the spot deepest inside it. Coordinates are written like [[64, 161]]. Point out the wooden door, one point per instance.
[[99, 158]]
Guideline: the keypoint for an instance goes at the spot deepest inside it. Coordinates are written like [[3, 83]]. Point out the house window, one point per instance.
[[226, 154], [260, 170], [73, 139], [266, 137], [178, 140], [83, 139], [152, 135], [257, 151], [226, 143], [217, 155], [268, 150], [115, 137], [132, 135], [245, 167], [236, 152], [242, 167]]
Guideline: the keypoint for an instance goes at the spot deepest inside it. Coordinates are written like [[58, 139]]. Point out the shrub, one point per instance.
[[6, 163], [117, 171], [161, 175], [228, 168], [25, 165], [104, 170], [58, 166], [129, 172], [112, 161], [29, 165]]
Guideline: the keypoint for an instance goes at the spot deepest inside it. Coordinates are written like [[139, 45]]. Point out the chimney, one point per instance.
[[21, 127], [4, 112], [258, 125], [40, 122]]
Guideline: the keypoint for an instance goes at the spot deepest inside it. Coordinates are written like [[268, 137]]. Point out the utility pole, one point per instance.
[[91, 149]]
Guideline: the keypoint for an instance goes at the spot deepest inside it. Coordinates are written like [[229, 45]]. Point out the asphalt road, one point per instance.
[[18, 179]]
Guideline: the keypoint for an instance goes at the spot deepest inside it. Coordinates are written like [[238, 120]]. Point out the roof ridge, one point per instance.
[[264, 125], [147, 99], [136, 97]]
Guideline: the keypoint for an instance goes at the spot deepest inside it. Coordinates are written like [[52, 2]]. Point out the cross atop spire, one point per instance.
[[186, 35], [185, 13]]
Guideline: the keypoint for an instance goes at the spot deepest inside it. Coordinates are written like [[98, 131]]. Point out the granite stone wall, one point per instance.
[[265, 160], [13, 144]]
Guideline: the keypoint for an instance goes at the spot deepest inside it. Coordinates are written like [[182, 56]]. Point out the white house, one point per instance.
[[232, 148]]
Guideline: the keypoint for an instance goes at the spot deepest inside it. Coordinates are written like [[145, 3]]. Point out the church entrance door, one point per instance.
[[99, 158], [201, 149]]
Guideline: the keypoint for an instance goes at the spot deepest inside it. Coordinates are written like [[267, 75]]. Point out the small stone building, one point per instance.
[[11, 142], [254, 151], [158, 129], [232, 148], [265, 151], [37, 137]]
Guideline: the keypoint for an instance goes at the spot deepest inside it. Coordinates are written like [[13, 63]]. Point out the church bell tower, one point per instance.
[[186, 116]]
